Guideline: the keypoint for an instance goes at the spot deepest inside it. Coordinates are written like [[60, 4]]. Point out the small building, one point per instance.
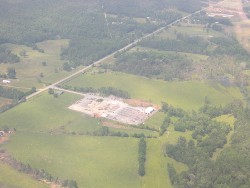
[[6, 81], [149, 110], [58, 93], [1, 133]]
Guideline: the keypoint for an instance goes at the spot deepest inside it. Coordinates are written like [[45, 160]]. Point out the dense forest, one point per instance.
[[91, 35], [230, 168], [157, 65], [7, 57]]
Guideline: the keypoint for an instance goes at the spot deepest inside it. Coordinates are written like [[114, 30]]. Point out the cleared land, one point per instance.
[[112, 108], [187, 95]]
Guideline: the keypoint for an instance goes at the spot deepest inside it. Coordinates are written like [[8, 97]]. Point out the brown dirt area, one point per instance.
[[4, 102], [141, 103], [4, 139]]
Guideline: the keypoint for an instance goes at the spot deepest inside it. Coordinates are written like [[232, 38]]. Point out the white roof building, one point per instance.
[[6, 81], [149, 110]]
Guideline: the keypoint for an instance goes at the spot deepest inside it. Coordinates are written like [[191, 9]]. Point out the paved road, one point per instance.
[[108, 56]]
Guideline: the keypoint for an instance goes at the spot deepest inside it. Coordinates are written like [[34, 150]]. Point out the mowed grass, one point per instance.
[[91, 161], [30, 67], [187, 95], [45, 112], [10, 178]]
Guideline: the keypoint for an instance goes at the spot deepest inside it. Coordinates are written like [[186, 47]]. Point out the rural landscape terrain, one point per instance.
[[114, 93]]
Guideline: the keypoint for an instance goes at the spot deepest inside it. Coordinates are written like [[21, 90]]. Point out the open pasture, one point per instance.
[[91, 161], [10, 178], [187, 95], [36, 68], [192, 30]]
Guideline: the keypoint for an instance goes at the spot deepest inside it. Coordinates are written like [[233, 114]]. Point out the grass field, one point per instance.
[[96, 161], [156, 165], [187, 95], [30, 67], [91, 161], [192, 30], [44, 113], [156, 120], [194, 57], [9, 178], [48, 114]]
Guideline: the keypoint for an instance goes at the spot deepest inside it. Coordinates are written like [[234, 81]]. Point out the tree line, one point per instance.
[[7, 57], [142, 147], [153, 65], [38, 174], [105, 91]]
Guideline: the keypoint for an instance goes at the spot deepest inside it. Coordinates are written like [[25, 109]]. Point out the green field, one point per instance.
[[30, 67], [91, 161], [195, 57], [10, 178], [44, 113], [193, 30], [187, 95]]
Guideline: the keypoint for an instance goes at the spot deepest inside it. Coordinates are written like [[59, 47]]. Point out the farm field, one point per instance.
[[91, 161], [10, 178], [191, 137], [98, 155], [97, 161], [195, 57], [192, 30], [187, 95], [30, 67]]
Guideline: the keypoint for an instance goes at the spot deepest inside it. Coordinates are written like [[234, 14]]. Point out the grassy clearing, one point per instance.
[[96, 161], [45, 112], [156, 164], [91, 161], [230, 120], [156, 120], [187, 95], [192, 30], [30, 67], [9, 178], [195, 57]]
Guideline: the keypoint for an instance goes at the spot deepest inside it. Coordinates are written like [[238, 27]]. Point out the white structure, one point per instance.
[[6, 81], [1, 133], [149, 110]]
